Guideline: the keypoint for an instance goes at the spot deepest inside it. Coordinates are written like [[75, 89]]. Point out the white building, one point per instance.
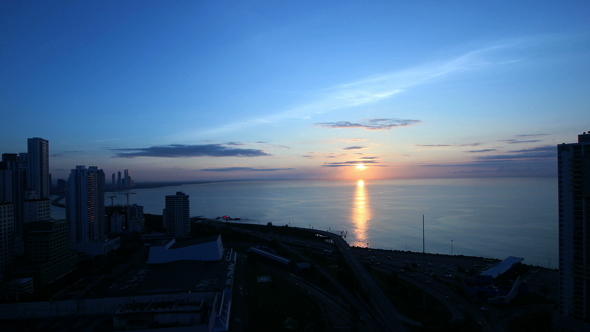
[[574, 235], [177, 215]]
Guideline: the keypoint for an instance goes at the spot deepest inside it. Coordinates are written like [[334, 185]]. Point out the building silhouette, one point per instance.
[[6, 236], [574, 235], [48, 252], [85, 210], [177, 215], [38, 167]]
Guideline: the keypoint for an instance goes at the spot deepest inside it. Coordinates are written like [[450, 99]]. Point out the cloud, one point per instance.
[[515, 141], [65, 152], [542, 152], [479, 151], [386, 85], [531, 135], [369, 158], [370, 124], [349, 163], [446, 145], [187, 151], [245, 169], [314, 155], [354, 148], [353, 140]]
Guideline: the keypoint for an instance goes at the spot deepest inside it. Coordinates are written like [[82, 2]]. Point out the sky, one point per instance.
[[221, 90]]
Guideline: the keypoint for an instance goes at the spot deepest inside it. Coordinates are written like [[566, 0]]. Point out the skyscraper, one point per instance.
[[126, 178], [574, 234], [85, 206], [38, 166], [177, 215]]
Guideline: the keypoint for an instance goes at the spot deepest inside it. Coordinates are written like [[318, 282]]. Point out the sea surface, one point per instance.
[[488, 217]]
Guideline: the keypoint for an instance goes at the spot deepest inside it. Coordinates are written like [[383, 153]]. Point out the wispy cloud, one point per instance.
[[480, 151], [65, 153], [515, 141], [245, 169], [370, 124], [349, 163], [447, 145], [186, 151], [542, 152], [314, 155], [353, 140], [354, 148], [383, 86]]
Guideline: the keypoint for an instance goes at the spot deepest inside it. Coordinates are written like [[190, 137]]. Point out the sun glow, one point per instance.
[[360, 167]]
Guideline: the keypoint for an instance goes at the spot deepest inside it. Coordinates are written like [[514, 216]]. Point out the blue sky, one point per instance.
[[198, 90]]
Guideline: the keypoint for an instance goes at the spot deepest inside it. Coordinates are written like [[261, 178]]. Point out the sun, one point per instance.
[[360, 167]]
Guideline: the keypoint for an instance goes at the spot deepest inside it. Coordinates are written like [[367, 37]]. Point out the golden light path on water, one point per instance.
[[361, 214]]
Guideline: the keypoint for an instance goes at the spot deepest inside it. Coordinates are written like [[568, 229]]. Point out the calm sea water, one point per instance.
[[492, 218]]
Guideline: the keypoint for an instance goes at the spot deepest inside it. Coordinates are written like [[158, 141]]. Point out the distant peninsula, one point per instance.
[[160, 184]]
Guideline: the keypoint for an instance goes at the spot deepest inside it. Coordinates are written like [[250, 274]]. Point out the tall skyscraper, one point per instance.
[[574, 235], [177, 215], [126, 178], [85, 206], [38, 167]]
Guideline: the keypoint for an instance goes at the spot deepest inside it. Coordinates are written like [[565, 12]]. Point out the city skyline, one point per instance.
[[295, 90]]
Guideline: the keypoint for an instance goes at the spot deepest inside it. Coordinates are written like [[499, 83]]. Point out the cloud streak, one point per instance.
[[447, 145], [542, 152], [349, 163], [370, 124], [187, 151], [384, 86], [245, 169]]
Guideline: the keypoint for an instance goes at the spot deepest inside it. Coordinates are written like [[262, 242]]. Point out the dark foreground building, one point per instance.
[[574, 235]]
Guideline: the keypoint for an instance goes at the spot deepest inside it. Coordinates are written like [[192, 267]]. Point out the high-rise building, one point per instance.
[[574, 235], [85, 206], [126, 178], [135, 219], [48, 252], [6, 236], [177, 215], [35, 208], [13, 186], [38, 167]]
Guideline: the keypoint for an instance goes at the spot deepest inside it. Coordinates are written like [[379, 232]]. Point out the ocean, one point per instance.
[[488, 217]]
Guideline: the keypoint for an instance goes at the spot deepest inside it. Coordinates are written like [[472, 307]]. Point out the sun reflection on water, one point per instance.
[[361, 214]]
